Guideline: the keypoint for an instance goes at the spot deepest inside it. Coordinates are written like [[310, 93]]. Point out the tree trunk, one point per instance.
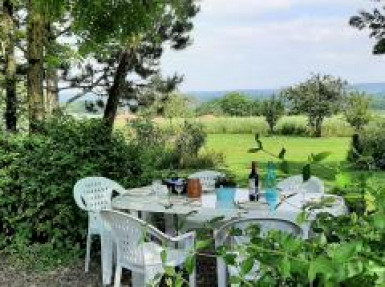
[[318, 127], [117, 88], [52, 91], [10, 69], [35, 66], [51, 99]]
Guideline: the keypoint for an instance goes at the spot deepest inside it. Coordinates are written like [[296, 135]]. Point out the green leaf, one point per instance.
[[216, 219], [247, 265], [163, 256], [254, 150], [169, 270], [190, 264], [306, 172], [282, 154], [345, 251], [235, 280], [202, 244], [178, 282], [320, 156], [302, 217], [229, 258], [379, 221], [284, 167], [285, 267], [321, 265], [236, 232]]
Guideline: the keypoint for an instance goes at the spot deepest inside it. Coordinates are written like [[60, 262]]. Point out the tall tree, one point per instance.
[[129, 37], [236, 104], [273, 109], [356, 110], [35, 57], [374, 21], [10, 65], [318, 97]]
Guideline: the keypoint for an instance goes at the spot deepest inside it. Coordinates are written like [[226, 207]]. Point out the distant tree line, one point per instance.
[[319, 97]]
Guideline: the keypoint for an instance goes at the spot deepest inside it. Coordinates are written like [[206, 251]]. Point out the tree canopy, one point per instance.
[[374, 21], [318, 97]]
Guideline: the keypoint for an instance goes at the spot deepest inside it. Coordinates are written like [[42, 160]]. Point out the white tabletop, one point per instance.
[[207, 204]]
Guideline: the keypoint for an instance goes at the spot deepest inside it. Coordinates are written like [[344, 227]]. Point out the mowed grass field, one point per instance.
[[235, 148]]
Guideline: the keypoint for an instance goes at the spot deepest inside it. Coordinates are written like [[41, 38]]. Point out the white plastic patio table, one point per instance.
[[206, 209]]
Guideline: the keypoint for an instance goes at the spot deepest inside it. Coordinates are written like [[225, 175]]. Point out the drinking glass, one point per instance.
[[179, 187], [272, 198], [156, 186]]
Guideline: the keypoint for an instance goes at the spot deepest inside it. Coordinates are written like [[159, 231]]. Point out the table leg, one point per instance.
[[170, 224]]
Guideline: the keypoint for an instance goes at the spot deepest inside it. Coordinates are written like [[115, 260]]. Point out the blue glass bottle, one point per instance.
[[272, 195]]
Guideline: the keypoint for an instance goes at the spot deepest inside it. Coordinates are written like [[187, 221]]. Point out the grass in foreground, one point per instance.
[[238, 160]]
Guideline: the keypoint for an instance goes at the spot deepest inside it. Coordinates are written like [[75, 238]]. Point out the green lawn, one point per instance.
[[238, 160]]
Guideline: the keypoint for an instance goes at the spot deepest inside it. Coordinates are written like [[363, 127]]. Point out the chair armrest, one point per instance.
[[189, 237]]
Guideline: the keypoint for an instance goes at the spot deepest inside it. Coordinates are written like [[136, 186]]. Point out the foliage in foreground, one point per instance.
[[346, 250], [38, 172]]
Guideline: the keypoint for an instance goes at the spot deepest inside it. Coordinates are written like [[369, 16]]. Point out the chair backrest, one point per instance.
[[295, 183], [129, 233], [94, 193], [223, 235], [207, 178]]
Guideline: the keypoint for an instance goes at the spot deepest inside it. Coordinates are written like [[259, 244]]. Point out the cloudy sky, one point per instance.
[[249, 44]]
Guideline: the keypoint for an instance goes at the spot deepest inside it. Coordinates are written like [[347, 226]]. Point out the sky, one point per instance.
[[263, 44]]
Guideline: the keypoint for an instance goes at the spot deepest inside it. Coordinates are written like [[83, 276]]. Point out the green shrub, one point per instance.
[[38, 173], [292, 126], [371, 151], [172, 146]]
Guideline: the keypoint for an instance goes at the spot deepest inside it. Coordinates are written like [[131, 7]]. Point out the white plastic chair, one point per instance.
[[207, 178], [143, 257], [295, 184], [93, 194], [222, 237]]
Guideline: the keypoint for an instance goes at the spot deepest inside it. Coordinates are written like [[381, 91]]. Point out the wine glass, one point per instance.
[[179, 187], [272, 198], [156, 185]]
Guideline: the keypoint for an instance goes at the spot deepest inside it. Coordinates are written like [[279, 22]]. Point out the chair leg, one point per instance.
[[107, 255], [118, 275], [221, 273], [88, 252], [192, 278], [138, 279]]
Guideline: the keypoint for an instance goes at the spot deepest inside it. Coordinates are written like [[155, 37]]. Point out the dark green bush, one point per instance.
[[292, 129], [38, 173], [173, 147], [368, 148]]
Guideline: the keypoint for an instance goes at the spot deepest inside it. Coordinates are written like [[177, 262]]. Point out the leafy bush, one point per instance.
[[356, 109], [292, 126], [38, 173], [368, 149], [172, 146]]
